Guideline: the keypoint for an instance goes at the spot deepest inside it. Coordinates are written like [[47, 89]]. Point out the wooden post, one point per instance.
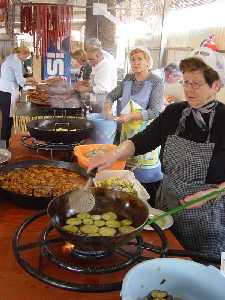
[[37, 67], [163, 40]]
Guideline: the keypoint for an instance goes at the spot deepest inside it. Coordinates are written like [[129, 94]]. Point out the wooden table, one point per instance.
[[15, 283]]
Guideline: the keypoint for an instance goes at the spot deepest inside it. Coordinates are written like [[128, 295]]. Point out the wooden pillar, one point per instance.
[[37, 67], [163, 40]]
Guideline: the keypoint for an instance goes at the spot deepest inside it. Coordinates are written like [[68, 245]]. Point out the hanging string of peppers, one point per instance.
[[48, 24], [4, 4]]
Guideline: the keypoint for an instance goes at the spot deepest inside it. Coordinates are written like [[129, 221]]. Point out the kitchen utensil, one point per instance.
[[180, 278], [46, 130], [209, 196], [83, 200], [123, 204], [5, 156], [34, 201]]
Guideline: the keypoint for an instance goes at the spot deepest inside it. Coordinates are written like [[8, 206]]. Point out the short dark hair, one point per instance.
[[172, 68], [196, 64]]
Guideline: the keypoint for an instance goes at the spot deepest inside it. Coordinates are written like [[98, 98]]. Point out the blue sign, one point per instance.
[[58, 62]]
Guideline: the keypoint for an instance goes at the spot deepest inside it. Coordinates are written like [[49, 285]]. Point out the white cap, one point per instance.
[[213, 59]]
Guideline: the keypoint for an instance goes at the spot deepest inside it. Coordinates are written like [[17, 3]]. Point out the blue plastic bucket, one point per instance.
[[104, 131]]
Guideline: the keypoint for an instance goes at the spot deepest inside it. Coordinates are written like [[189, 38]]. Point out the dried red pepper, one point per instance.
[[49, 24]]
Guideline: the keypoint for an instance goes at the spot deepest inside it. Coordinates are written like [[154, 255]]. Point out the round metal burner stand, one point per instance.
[[129, 258], [45, 251], [33, 144]]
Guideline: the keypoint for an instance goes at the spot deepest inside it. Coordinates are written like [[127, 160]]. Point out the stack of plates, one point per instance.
[[5, 155]]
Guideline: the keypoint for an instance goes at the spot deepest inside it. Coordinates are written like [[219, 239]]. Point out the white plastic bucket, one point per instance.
[[180, 278]]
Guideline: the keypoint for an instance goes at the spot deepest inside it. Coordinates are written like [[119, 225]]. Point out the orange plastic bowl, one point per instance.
[[82, 151]]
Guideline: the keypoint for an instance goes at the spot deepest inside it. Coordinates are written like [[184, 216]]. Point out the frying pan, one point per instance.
[[123, 204], [46, 130], [34, 201]]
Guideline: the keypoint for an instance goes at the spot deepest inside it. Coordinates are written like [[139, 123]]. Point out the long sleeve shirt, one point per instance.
[[166, 124], [155, 97], [11, 74]]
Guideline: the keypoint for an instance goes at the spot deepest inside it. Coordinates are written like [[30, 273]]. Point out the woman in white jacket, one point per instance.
[[11, 79]]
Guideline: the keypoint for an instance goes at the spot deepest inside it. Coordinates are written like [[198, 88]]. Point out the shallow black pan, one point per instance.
[[34, 201], [76, 130], [123, 204]]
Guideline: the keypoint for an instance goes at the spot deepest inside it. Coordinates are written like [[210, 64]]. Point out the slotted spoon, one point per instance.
[[83, 200]]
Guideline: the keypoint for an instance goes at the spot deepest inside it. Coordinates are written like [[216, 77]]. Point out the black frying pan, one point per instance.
[[123, 204], [76, 130], [34, 201]]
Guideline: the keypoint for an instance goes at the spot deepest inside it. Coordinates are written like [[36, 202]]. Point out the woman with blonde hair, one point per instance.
[[81, 57], [11, 79], [139, 101]]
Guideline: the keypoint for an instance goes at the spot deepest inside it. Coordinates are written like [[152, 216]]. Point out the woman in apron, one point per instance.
[[140, 100], [192, 139], [11, 79]]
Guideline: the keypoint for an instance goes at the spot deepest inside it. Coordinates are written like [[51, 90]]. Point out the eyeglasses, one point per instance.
[[194, 85]]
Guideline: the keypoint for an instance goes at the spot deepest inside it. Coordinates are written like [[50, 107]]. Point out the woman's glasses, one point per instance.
[[194, 85]]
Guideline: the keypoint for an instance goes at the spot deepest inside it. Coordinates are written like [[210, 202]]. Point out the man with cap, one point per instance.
[[192, 139]]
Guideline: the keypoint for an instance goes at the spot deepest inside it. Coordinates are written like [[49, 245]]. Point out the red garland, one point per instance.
[[4, 4], [49, 24]]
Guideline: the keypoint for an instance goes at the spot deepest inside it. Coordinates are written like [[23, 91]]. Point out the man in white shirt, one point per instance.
[[93, 42], [103, 78]]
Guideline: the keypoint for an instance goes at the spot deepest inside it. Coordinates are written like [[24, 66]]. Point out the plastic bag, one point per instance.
[[126, 175]]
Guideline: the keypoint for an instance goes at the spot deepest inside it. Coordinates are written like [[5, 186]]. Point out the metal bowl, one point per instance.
[[5, 155]]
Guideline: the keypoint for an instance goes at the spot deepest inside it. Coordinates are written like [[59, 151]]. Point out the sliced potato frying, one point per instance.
[[107, 231], [126, 222], [74, 221], [113, 223], [89, 229], [109, 215], [70, 228], [106, 224], [126, 229], [99, 223]]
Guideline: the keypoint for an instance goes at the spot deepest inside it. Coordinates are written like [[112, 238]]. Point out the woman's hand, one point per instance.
[[102, 161], [195, 196], [221, 186], [123, 118], [123, 151], [82, 86]]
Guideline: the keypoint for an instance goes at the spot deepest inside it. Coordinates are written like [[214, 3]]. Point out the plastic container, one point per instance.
[[180, 278], [82, 150], [104, 131]]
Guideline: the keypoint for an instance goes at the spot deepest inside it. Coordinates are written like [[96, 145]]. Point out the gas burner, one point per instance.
[[89, 254], [31, 143], [48, 260], [54, 261]]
